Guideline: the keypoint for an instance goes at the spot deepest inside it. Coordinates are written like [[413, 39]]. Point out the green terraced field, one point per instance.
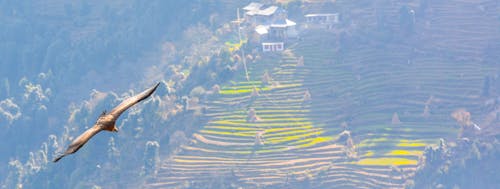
[[301, 138]]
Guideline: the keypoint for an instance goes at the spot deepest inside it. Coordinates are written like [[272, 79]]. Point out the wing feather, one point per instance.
[[80, 141], [118, 110]]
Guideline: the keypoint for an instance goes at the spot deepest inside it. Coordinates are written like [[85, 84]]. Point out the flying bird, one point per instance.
[[106, 121]]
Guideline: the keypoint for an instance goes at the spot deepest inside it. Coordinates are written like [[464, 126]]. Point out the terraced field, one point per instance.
[[360, 119], [462, 28], [292, 146], [301, 138], [369, 86]]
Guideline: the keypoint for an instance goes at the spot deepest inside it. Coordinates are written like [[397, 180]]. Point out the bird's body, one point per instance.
[[106, 121]]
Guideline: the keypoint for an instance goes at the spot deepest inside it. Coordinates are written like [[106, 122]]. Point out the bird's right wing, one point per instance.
[[80, 141]]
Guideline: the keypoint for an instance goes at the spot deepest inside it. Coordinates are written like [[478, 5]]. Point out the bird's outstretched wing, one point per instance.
[[115, 113], [127, 103], [80, 141]]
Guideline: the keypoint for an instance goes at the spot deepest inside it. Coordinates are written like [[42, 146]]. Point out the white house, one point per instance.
[[322, 20], [274, 36], [277, 31], [271, 25], [287, 28]]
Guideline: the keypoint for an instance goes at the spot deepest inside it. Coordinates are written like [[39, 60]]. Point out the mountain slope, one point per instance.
[[390, 98]]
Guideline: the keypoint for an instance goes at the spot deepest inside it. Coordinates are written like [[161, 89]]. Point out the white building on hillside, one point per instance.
[[271, 25], [274, 36], [322, 20]]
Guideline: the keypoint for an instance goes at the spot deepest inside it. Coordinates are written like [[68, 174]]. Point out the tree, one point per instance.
[[197, 92], [259, 138], [458, 165], [266, 78], [113, 152], [307, 96], [151, 158], [9, 111], [462, 116], [15, 176], [178, 138], [252, 116], [349, 147], [427, 111], [467, 127], [300, 61], [216, 89], [395, 119], [53, 147], [255, 93]]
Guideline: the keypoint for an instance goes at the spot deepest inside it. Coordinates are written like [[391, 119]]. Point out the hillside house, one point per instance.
[[256, 14], [271, 26], [322, 20], [274, 36], [281, 31], [269, 44], [284, 29]]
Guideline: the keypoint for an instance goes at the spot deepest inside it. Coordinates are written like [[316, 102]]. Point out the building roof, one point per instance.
[[264, 12], [321, 14], [268, 11], [283, 23], [253, 6], [261, 29]]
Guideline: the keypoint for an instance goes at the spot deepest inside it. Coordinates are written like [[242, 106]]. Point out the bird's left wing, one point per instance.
[[127, 103]]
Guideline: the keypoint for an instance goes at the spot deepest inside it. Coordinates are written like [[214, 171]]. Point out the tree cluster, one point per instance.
[[461, 164]]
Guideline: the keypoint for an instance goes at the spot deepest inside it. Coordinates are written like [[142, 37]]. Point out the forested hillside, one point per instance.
[[63, 63], [398, 94]]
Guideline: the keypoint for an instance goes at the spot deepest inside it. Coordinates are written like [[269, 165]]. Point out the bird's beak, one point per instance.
[[115, 129]]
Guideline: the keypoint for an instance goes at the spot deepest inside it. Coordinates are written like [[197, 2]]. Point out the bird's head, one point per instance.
[[103, 113]]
